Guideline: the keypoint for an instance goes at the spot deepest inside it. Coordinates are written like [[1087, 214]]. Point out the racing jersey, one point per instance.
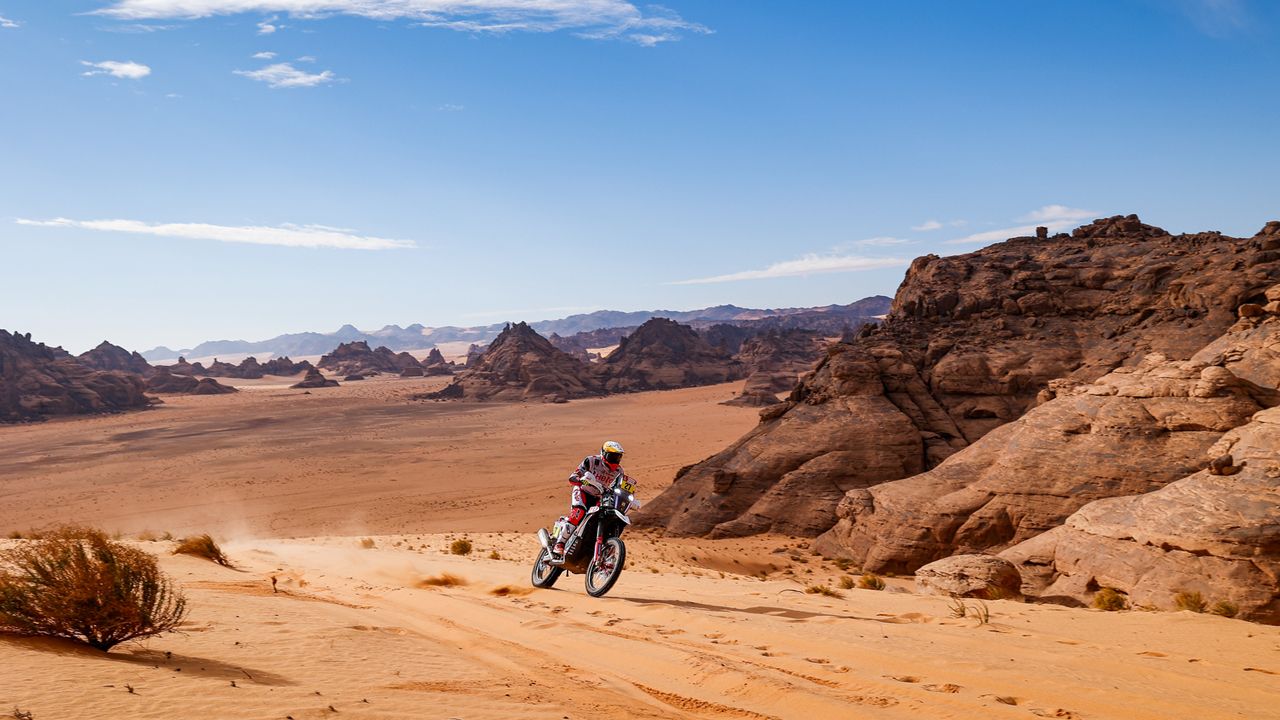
[[594, 465]]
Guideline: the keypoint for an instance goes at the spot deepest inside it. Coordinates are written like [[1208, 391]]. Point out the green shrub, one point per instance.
[[202, 546], [1192, 601], [1110, 599], [871, 581], [78, 584], [1225, 608]]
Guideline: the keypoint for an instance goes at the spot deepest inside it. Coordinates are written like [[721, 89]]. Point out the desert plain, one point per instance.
[[338, 508]]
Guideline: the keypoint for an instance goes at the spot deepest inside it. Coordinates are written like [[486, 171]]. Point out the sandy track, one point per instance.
[[353, 625]]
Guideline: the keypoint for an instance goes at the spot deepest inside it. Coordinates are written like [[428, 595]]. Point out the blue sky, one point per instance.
[[448, 162]]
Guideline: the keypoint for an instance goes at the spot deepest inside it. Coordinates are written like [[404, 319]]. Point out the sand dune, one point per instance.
[[293, 484]]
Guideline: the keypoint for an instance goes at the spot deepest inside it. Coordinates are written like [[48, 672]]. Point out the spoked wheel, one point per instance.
[[544, 573], [602, 574]]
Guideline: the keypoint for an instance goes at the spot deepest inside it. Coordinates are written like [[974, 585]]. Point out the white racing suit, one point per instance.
[[589, 482]]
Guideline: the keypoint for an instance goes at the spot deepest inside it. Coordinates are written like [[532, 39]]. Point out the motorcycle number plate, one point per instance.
[[627, 485]]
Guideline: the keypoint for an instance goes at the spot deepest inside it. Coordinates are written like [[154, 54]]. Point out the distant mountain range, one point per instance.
[[417, 336]]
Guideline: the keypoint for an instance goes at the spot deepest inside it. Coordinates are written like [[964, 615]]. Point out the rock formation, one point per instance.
[[774, 361], [284, 367], [981, 576], [520, 365], [113, 357], [315, 379], [663, 354], [162, 380], [970, 344], [37, 381], [209, 386], [355, 358], [435, 364], [182, 367]]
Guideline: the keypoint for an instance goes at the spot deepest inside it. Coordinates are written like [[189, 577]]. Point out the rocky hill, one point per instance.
[[971, 343], [773, 362], [113, 357], [521, 365], [663, 354], [355, 358], [37, 381], [435, 364]]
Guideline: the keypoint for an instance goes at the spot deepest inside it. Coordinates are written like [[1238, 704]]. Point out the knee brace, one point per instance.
[[576, 514]]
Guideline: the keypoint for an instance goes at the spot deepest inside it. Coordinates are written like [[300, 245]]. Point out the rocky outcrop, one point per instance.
[[474, 353], [163, 381], [971, 343], [284, 367], [1132, 431], [1215, 531], [774, 362], [355, 358], [315, 379], [978, 576], [37, 381], [209, 386], [182, 367], [435, 364], [113, 357], [520, 365], [663, 354]]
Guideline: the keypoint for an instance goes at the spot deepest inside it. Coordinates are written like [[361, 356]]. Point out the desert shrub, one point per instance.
[[843, 563], [958, 608], [846, 582], [981, 612], [460, 547], [823, 590], [1192, 601], [147, 536], [1225, 608], [368, 543], [202, 546], [1110, 599], [78, 584], [871, 581], [494, 555]]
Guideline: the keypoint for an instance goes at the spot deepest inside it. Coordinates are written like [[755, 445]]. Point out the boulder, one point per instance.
[[977, 576], [315, 379]]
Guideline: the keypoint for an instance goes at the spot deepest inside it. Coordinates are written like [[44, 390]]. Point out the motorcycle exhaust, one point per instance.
[[544, 539]]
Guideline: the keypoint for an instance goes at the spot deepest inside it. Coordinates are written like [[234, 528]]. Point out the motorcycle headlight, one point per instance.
[[617, 491], [631, 498]]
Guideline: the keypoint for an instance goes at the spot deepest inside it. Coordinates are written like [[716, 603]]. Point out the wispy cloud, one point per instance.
[[927, 225], [1216, 18], [308, 236], [115, 68], [881, 242], [307, 59], [9, 24], [812, 264], [596, 19], [1054, 217], [285, 75], [451, 107], [264, 55]]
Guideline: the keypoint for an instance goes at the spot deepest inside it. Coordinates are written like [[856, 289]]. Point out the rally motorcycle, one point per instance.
[[595, 548]]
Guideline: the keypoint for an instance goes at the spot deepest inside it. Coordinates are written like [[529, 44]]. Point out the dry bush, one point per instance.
[[871, 581], [843, 563], [78, 584], [823, 590], [1225, 608], [147, 536], [460, 547], [1110, 599], [1192, 601], [958, 608], [368, 543], [442, 580], [846, 583], [202, 546], [493, 555]]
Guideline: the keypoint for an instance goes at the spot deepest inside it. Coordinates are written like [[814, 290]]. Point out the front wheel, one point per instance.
[[544, 573], [603, 573]]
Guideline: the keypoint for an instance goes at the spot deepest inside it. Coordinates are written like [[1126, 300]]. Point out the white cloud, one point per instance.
[[812, 264], [881, 242], [596, 19], [927, 225], [309, 236], [285, 75], [265, 55], [307, 59], [115, 68], [452, 107], [1055, 217], [9, 24]]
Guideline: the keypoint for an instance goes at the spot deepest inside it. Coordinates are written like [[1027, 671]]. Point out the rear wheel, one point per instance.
[[544, 573], [604, 572]]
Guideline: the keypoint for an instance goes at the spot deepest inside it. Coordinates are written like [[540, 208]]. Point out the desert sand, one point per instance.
[[349, 498]]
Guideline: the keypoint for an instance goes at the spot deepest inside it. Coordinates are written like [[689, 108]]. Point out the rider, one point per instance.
[[589, 482]]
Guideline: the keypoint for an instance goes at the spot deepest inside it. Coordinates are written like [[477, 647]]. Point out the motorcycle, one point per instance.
[[595, 548]]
